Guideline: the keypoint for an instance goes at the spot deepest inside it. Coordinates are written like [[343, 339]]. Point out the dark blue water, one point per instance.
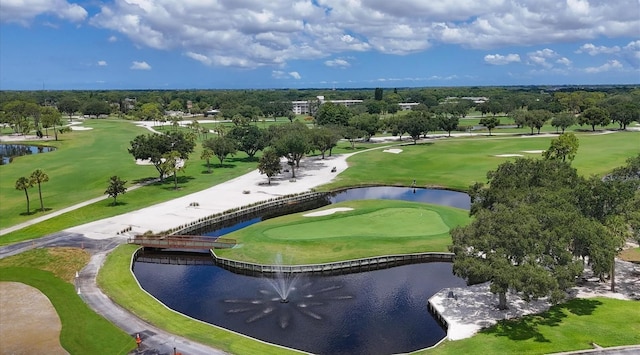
[[374, 312], [10, 151]]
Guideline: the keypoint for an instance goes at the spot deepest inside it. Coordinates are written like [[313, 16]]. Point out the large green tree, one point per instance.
[[292, 141], [323, 139], [269, 164], [333, 114], [594, 116], [221, 147], [531, 230], [152, 147], [490, 123], [251, 139], [69, 105], [366, 122], [564, 147], [563, 120], [50, 117]]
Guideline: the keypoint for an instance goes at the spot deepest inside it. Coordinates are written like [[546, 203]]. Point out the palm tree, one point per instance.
[[24, 183], [38, 176], [206, 155]]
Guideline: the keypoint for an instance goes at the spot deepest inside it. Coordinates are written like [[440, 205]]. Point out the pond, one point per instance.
[[374, 312], [10, 151]]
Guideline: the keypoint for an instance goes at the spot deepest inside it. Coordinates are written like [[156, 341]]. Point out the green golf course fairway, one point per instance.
[[371, 228]]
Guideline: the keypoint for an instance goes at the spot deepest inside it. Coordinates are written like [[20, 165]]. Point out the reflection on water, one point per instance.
[[10, 151], [435, 196], [375, 312]]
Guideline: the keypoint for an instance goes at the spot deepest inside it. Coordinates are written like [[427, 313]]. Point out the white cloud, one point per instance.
[[564, 61], [608, 66], [24, 11], [498, 59], [539, 58], [592, 49], [254, 33], [140, 66], [102, 63], [112, 39], [279, 74], [337, 63]]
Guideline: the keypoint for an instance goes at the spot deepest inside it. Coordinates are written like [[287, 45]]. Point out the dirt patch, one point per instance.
[[28, 322]]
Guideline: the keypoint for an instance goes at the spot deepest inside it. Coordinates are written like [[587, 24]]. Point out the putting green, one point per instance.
[[419, 222], [371, 228]]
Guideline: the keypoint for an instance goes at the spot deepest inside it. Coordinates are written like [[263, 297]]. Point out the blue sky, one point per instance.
[[233, 44]]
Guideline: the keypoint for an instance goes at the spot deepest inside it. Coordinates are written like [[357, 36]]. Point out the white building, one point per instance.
[[304, 107], [406, 106]]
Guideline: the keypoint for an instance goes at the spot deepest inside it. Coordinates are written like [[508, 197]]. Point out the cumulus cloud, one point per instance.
[[592, 49], [25, 11], [140, 66], [337, 63], [112, 39], [540, 57], [254, 33], [279, 74], [102, 63], [608, 66], [498, 59]]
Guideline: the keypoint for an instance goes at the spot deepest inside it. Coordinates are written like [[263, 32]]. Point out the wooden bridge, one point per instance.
[[182, 242]]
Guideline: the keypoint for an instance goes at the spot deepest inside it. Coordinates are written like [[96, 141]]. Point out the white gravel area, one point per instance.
[[328, 212]]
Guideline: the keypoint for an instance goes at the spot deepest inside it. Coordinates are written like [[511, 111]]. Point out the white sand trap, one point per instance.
[[80, 128], [393, 150], [508, 155], [327, 212], [143, 162], [533, 151]]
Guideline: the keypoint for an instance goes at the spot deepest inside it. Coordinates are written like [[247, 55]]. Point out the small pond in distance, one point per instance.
[[10, 151]]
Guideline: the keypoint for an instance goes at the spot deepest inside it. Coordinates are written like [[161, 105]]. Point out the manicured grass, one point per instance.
[[457, 163], [372, 228], [574, 325], [116, 279], [83, 331]]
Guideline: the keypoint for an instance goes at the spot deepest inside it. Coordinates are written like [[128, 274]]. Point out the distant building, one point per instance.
[[474, 99], [304, 107], [406, 106], [211, 112]]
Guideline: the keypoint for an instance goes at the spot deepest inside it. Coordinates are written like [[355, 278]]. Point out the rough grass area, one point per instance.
[[83, 331], [372, 228], [632, 255], [118, 281], [63, 262], [574, 325]]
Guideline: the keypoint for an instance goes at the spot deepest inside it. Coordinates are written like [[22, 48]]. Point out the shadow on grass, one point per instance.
[[225, 166], [527, 327], [118, 203]]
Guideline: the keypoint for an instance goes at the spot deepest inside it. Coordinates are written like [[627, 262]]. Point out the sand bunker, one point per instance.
[[143, 162], [533, 151], [328, 212], [508, 155], [28, 322], [393, 150], [80, 128]]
